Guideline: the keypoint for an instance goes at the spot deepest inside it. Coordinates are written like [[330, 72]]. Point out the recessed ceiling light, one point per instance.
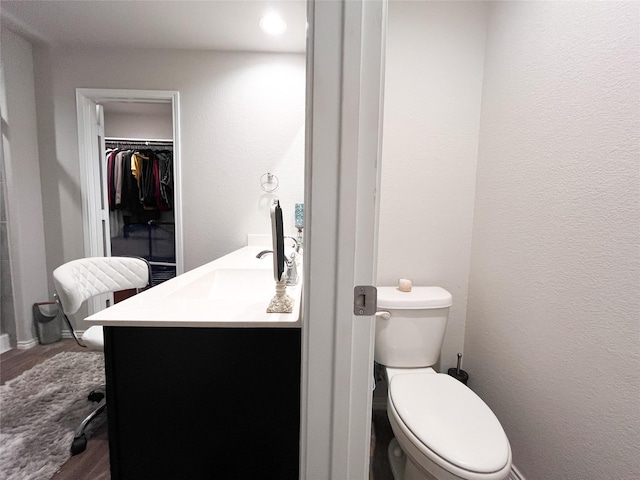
[[273, 24]]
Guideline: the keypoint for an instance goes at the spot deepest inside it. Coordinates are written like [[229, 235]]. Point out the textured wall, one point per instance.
[[22, 182], [552, 336], [129, 125], [433, 86], [242, 114]]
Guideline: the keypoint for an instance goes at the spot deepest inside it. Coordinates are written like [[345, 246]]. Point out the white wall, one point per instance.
[[242, 115], [552, 337], [22, 182], [433, 86], [129, 125]]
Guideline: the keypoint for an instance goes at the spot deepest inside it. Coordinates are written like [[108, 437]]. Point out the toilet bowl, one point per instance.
[[443, 430]]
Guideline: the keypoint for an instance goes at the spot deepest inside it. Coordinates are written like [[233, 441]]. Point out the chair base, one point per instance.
[[79, 443]]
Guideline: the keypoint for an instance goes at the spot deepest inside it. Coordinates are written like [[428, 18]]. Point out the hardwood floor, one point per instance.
[[93, 463], [15, 362]]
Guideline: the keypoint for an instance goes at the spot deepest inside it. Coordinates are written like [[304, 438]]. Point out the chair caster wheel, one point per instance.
[[95, 396], [79, 444]]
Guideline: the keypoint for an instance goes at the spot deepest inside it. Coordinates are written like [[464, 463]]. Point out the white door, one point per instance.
[[97, 238], [344, 110]]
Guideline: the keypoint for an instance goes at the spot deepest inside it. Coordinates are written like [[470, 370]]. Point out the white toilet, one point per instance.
[[442, 429]]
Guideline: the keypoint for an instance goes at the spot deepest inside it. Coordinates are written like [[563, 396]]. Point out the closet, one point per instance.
[[146, 121], [139, 186]]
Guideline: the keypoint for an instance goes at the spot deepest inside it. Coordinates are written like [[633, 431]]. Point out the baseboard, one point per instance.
[[25, 344], [515, 474], [33, 342], [5, 346], [67, 333]]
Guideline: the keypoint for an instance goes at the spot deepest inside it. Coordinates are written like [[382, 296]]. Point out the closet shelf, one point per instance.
[[137, 142]]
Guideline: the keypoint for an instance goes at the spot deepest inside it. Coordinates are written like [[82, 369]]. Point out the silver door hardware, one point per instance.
[[365, 299]]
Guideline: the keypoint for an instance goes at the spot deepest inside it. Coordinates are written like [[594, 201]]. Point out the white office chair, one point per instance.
[[77, 281]]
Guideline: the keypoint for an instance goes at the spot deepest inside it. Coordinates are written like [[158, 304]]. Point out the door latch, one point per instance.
[[365, 300]]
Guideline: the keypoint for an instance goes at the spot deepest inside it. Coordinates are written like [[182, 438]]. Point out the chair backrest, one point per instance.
[[79, 280]]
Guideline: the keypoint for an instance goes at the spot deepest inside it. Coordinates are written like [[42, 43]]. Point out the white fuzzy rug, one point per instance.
[[40, 411]]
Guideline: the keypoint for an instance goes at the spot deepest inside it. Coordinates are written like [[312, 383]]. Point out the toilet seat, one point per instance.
[[450, 425]]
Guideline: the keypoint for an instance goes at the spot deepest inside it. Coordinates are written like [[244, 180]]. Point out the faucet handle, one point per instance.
[[292, 271], [296, 242]]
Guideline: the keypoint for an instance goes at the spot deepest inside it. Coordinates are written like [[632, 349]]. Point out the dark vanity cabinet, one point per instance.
[[203, 403]]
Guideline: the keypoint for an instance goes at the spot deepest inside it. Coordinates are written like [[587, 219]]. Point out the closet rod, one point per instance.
[[138, 141]]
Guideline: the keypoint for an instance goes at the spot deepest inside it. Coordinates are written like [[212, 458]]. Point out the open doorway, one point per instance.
[[130, 174]]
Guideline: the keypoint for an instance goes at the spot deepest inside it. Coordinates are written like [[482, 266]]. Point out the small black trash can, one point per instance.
[[47, 319]]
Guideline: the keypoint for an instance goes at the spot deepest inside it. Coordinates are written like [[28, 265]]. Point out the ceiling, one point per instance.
[[178, 24]]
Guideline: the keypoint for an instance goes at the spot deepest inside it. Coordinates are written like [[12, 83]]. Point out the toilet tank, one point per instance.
[[410, 326]]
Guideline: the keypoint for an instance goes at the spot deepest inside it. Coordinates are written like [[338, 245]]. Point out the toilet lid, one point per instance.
[[451, 421]]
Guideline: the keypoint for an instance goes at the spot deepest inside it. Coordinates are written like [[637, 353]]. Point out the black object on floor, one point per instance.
[[380, 468], [459, 374]]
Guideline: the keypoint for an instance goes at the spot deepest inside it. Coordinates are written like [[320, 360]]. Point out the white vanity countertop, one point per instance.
[[230, 292]]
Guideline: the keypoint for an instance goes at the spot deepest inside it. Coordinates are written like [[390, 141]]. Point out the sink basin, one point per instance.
[[242, 284], [228, 283]]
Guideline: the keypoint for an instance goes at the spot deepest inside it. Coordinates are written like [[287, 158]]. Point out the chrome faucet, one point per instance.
[[291, 273]]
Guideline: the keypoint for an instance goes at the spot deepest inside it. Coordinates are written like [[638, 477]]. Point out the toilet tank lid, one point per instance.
[[417, 298]]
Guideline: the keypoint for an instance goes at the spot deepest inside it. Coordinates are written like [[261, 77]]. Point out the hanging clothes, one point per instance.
[[166, 177], [130, 195], [139, 183], [140, 180]]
